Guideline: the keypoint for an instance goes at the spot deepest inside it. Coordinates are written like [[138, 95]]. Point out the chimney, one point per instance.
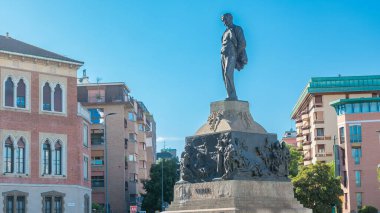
[[7, 35], [85, 78]]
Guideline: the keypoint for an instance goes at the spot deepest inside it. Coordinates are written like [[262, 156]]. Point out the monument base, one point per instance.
[[240, 196]]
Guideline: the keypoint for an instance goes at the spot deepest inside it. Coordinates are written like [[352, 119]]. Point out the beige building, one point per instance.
[[130, 136], [316, 120]]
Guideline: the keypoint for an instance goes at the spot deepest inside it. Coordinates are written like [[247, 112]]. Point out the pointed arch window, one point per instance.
[[21, 94], [46, 102], [58, 98], [9, 92], [20, 156], [8, 156], [58, 158], [46, 158]]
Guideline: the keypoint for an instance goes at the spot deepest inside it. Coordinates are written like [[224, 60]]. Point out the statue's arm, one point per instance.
[[241, 39]]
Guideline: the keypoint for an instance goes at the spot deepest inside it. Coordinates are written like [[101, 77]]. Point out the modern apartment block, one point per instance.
[[130, 138], [44, 146], [357, 154], [316, 120]]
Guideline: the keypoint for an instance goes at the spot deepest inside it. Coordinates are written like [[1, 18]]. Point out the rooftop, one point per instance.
[[104, 84], [354, 100], [9, 45], [340, 84]]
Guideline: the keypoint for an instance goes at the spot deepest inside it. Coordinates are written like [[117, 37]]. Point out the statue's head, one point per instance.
[[227, 20]]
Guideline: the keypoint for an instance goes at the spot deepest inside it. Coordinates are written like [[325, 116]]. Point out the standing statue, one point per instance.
[[233, 54]]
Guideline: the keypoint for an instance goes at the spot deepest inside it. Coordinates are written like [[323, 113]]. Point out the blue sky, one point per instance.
[[168, 51]]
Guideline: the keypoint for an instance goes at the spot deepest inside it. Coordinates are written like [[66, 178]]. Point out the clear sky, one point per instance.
[[168, 51]]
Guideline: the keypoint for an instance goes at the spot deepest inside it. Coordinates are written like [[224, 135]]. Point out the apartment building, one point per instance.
[[44, 146], [357, 153], [316, 120], [129, 127]]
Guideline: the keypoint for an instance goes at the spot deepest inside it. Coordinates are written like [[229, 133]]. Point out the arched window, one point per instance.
[[8, 156], [46, 102], [46, 158], [20, 159], [9, 92], [58, 158], [58, 98], [21, 90]]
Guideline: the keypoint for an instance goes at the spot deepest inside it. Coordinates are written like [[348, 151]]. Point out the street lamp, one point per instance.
[[106, 157]]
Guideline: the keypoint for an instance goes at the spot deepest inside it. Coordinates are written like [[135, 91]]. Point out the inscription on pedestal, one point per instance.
[[203, 191]]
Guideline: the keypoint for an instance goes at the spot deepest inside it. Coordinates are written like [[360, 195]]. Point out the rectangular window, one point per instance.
[[356, 154], [97, 115], [20, 204], [318, 116], [341, 135], [320, 132], [97, 160], [97, 136], [141, 127], [355, 134], [359, 202], [9, 207], [97, 181], [318, 99], [132, 157], [345, 201], [133, 177], [132, 116], [345, 178], [57, 205], [321, 148], [85, 168], [85, 135], [358, 181], [48, 205], [132, 137]]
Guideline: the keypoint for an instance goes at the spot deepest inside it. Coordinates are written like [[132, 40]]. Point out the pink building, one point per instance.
[[44, 137], [358, 154], [290, 137]]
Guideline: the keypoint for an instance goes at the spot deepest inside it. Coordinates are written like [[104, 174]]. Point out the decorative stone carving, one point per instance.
[[234, 155]]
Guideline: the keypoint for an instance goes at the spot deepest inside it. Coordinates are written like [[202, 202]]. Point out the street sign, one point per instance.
[[133, 209]]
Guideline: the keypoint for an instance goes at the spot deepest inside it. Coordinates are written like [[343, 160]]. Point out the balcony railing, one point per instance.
[[305, 143], [307, 158], [319, 121], [322, 138], [324, 154]]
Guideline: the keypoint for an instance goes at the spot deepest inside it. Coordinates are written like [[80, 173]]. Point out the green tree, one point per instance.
[[368, 209], [316, 187], [152, 198], [295, 161]]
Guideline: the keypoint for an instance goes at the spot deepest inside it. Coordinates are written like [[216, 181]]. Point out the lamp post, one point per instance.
[[106, 157], [162, 182]]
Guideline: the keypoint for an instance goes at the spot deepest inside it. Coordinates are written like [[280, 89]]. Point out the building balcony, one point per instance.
[[307, 158], [83, 112], [322, 138], [305, 117], [306, 126], [319, 122], [306, 148], [305, 131], [324, 154], [305, 143], [132, 187]]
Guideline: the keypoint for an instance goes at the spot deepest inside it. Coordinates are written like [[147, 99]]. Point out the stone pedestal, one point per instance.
[[236, 196], [232, 164]]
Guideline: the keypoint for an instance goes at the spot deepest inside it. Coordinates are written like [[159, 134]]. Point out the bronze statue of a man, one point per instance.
[[233, 54]]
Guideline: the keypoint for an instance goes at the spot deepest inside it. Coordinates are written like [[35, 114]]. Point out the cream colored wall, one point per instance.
[[37, 65]]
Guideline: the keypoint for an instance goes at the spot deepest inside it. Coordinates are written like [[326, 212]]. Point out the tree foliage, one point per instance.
[[368, 209], [316, 187], [295, 161], [152, 198]]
